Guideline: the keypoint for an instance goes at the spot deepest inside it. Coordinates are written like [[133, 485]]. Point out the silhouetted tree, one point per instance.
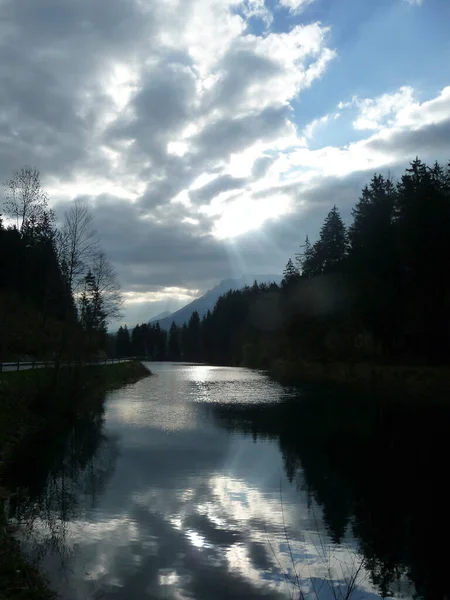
[[25, 200], [378, 291], [333, 242], [123, 346], [173, 347], [290, 273]]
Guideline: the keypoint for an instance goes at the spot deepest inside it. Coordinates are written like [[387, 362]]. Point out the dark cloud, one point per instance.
[[94, 93], [241, 68], [432, 141], [157, 112], [261, 166], [149, 252], [227, 135], [224, 183]]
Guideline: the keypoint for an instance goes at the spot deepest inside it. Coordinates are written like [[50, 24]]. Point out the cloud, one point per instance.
[[373, 112], [257, 9], [221, 184], [216, 531], [179, 124], [311, 128], [295, 6]]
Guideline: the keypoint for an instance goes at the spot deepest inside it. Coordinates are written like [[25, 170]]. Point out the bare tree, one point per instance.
[[107, 286], [25, 200], [77, 243]]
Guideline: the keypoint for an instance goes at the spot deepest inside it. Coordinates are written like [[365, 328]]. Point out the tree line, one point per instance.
[[376, 289], [58, 290]]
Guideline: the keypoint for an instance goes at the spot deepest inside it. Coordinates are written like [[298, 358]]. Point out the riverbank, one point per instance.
[[38, 401], [413, 380]]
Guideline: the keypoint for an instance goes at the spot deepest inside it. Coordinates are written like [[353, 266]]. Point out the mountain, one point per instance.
[[160, 316], [208, 300]]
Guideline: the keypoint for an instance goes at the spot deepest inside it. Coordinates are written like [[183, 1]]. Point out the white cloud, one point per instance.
[[295, 6], [414, 2], [375, 112], [415, 115], [164, 294], [399, 109], [401, 137], [312, 127], [258, 9], [262, 71], [177, 123]]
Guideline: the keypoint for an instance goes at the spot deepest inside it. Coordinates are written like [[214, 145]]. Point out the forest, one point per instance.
[[374, 290], [58, 290]]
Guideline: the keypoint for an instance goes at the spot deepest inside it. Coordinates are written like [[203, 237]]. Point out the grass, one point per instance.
[[32, 401], [35, 399], [341, 580]]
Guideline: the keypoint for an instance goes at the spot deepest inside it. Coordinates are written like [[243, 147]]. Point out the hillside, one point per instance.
[[160, 316], [208, 300]]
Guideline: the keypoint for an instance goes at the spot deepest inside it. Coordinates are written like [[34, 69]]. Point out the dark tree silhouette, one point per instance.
[[290, 273], [376, 291]]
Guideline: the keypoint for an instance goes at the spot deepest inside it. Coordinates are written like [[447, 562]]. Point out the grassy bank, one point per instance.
[[35, 403], [413, 380], [36, 399]]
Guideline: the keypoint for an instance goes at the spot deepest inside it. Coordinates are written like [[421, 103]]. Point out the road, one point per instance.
[[25, 366]]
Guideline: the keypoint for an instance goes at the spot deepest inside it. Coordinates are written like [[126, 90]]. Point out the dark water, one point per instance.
[[207, 483]]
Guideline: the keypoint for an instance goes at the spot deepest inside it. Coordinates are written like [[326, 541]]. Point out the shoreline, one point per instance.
[[411, 380], [35, 401]]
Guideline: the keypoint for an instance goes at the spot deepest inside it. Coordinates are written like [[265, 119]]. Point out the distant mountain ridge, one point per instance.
[[160, 316], [209, 299]]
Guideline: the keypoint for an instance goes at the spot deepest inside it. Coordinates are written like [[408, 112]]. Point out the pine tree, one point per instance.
[[194, 337], [333, 242], [422, 220], [123, 346], [371, 234], [173, 349], [92, 314], [290, 273], [311, 259]]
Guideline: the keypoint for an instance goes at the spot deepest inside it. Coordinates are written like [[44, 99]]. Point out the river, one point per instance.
[[212, 482]]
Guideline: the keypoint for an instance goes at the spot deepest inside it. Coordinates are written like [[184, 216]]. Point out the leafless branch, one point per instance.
[[77, 243], [25, 200], [108, 286]]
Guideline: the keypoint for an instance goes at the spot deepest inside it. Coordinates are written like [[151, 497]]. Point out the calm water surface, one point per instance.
[[199, 483]]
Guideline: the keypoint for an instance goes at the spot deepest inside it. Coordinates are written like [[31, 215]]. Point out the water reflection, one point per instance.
[[206, 482], [376, 469]]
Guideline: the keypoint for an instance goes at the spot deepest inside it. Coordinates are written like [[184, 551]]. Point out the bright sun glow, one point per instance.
[[167, 293], [248, 214]]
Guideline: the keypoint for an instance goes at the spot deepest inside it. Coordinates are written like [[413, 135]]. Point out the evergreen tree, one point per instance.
[[374, 261], [123, 346], [422, 220], [372, 229], [139, 340], [184, 342], [290, 274], [173, 348], [160, 343], [333, 242], [194, 339], [311, 259], [38, 312]]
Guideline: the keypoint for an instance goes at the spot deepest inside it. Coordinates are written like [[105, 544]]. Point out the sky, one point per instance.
[[209, 137]]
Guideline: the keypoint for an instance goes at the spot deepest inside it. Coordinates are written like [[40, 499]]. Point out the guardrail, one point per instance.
[[36, 364]]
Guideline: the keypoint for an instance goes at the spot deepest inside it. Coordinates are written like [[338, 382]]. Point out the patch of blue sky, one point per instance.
[[381, 46]]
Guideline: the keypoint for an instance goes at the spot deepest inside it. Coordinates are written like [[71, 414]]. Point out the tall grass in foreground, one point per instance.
[[342, 581]]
